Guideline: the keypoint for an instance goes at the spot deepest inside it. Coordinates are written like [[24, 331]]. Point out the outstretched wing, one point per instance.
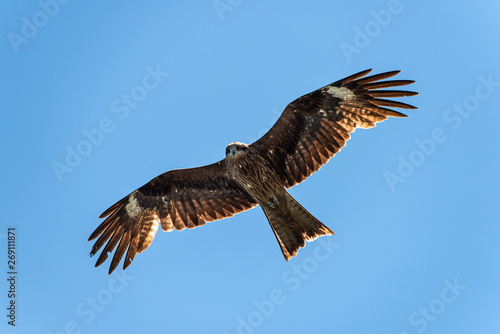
[[178, 199], [314, 127]]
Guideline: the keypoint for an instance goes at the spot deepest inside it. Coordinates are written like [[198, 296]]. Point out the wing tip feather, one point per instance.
[[111, 209], [354, 76]]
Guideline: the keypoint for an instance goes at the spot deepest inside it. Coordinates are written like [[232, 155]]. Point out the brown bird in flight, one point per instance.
[[310, 131]]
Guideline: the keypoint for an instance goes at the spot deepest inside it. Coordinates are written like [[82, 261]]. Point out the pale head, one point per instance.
[[235, 148]]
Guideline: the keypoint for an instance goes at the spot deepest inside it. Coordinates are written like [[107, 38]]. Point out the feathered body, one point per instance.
[[291, 223], [311, 130]]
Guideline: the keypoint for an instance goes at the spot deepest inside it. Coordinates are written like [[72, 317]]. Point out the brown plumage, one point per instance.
[[311, 130]]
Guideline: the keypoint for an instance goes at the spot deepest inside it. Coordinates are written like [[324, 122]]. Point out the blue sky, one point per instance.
[[136, 89]]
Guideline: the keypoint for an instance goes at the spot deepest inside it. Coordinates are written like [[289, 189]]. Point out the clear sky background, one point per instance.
[[413, 202]]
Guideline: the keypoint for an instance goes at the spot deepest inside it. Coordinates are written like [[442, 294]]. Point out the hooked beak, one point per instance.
[[232, 151]]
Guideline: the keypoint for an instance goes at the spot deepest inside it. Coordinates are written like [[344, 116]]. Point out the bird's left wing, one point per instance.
[[178, 199], [314, 127]]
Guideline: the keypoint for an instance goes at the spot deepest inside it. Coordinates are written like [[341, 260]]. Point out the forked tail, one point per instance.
[[294, 227]]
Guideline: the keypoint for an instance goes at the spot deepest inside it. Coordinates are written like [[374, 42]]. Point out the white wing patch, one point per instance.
[[133, 208], [340, 93], [324, 113]]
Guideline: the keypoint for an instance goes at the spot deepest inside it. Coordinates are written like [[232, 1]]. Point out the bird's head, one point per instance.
[[234, 149]]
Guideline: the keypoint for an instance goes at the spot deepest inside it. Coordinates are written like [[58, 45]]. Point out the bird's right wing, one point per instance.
[[178, 199]]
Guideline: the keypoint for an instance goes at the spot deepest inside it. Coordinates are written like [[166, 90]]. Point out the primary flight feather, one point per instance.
[[310, 131]]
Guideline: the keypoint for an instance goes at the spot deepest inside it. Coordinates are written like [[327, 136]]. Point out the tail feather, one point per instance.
[[294, 227]]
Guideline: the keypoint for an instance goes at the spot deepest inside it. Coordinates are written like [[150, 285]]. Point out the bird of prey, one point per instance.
[[310, 131]]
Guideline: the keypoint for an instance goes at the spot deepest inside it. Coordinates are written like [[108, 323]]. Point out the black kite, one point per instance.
[[311, 130]]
